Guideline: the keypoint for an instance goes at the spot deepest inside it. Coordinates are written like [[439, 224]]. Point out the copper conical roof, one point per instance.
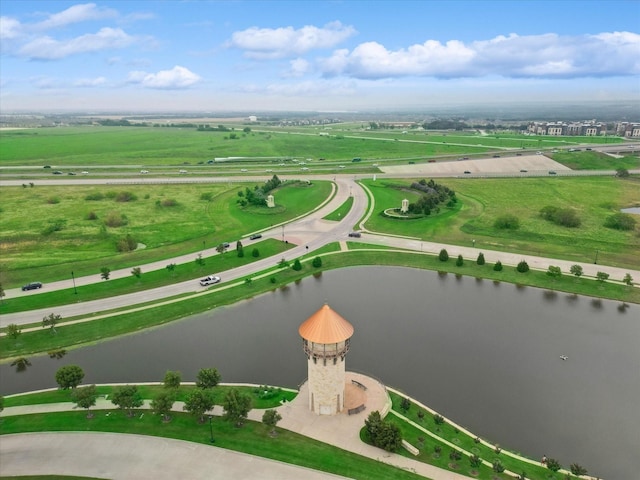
[[325, 326]]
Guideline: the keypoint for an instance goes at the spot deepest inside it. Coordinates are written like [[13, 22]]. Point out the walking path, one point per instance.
[[115, 456]]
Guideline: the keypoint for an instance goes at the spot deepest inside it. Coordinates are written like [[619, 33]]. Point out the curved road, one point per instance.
[[308, 233]]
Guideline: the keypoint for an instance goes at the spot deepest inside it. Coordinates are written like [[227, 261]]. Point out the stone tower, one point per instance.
[[325, 338]]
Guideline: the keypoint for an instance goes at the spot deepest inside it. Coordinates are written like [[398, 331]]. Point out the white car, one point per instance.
[[210, 280], [182, 171], [144, 171], [84, 172]]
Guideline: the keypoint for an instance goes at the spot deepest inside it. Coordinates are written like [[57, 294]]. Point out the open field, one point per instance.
[[483, 200], [168, 220]]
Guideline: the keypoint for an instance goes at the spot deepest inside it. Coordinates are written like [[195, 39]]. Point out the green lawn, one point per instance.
[[483, 200]]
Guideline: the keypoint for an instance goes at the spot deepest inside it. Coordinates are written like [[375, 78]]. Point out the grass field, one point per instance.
[[482, 201], [203, 216]]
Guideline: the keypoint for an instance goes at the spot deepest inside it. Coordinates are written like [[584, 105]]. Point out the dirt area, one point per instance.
[[504, 164]]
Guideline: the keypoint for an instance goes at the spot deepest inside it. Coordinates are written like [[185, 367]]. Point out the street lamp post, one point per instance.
[[282, 233], [211, 440], [75, 290], [596, 260]]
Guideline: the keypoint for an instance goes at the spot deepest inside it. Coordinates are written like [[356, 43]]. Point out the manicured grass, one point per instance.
[[204, 217], [41, 341], [157, 278], [341, 211], [482, 201], [592, 160], [251, 438]]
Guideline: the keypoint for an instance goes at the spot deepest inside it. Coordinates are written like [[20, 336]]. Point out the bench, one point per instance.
[[358, 384]]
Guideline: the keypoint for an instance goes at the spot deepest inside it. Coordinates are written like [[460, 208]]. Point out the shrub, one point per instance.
[[125, 197], [92, 216], [553, 465], [126, 244], [439, 419], [577, 469], [94, 196], [475, 461], [565, 217], [297, 266], [115, 219], [317, 262], [208, 196], [53, 200], [507, 222], [523, 267], [459, 261], [255, 253], [443, 256], [497, 466], [480, 260], [54, 226], [498, 266], [169, 202], [620, 221]]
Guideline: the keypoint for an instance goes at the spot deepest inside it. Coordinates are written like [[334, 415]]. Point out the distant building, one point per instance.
[[628, 129], [587, 128], [253, 118]]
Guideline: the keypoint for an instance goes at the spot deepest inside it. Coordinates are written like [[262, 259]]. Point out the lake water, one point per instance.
[[485, 355]]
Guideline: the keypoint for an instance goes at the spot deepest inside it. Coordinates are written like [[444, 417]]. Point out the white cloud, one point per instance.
[[75, 14], [268, 43], [176, 78], [47, 48], [9, 28], [544, 56], [90, 82], [298, 67]]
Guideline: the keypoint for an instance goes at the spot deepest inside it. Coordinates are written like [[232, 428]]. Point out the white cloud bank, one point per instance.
[[544, 56], [176, 78]]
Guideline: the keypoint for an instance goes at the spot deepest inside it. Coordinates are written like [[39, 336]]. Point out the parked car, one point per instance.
[[226, 245], [523, 171], [32, 286], [355, 234], [210, 280], [255, 236], [467, 172], [552, 172]]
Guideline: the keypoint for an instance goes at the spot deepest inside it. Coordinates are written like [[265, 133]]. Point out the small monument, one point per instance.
[[270, 201], [405, 206], [325, 340]]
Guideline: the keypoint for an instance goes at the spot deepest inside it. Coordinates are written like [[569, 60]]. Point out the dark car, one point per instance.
[[32, 286], [255, 236], [355, 234], [551, 172], [225, 245], [57, 172], [496, 156], [523, 171], [467, 172]]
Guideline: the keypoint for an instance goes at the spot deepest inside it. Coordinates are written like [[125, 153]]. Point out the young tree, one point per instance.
[[85, 397], [207, 378], [236, 406], [405, 404], [171, 267], [69, 376], [51, 321], [443, 256], [220, 248], [602, 276], [480, 260], [576, 270], [497, 466], [554, 272], [21, 364], [238, 245], [420, 415], [200, 260], [255, 253], [459, 261], [162, 404], [577, 469], [271, 418], [13, 331], [553, 465], [127, 398], [523, 267], [172, 380], [240, 252], [373, 424], [297, 266], [498, 266], [628, 280], [317, 262], [198, 402], [104, 273], [136, 272]]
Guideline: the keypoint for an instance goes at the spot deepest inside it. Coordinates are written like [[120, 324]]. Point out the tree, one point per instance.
[[576, 270], [420, 415], [523, 267], [136, 272], [221, 248], [240, 252], [236, 406], [443, 256], [162, 404], [21, 364], [577, 469], [127, 398], [85, 397], [459, 261], [171, 267], [498, 266], [475, 461], [405, 404], [317, 262], [628, 280], [207, 378], [51, 321], [602, 276], [497, 466], [13, 331], [553, 465], [104, 273], [480, 260], [554, 272], [271, 418], [200, 260], [238, 245], [620, 221], [297, 266], [198, 402], [172, 379], [255, 253], [373, 424], [69, 376], [622, 172], [389, 437]]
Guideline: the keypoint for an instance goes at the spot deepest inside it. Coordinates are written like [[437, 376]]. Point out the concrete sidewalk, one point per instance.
[[100, 450]]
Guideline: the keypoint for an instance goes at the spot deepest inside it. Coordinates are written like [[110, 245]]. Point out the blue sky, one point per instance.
[[314, 55]]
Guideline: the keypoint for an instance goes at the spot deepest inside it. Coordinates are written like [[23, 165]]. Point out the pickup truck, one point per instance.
[[210, 280]]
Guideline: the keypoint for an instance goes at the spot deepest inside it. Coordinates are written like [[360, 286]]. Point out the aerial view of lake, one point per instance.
[[488, 356]]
